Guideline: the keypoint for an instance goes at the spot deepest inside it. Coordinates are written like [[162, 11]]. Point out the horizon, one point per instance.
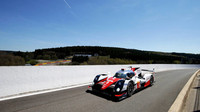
[[98, 46], [160, 26]]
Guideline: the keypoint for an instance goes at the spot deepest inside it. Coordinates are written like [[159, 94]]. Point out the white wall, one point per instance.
[[23, 79]]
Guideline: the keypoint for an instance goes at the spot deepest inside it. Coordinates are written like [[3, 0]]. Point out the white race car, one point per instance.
[[124, 82]]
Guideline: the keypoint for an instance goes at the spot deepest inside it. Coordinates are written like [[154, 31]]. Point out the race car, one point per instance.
[[124, 82]]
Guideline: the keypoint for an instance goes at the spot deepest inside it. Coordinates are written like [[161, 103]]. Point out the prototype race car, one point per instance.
[[124, 82]]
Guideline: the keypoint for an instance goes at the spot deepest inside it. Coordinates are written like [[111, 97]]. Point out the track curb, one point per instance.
[[178, 104]]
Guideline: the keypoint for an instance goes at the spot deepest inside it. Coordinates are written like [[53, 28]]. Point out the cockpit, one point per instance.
[[124, 74]]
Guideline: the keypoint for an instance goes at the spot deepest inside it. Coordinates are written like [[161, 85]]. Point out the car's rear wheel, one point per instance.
[[151, 80], [130, 89]]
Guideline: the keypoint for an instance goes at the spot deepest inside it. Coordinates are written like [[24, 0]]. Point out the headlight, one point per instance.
[[118, 89], [119, 85]]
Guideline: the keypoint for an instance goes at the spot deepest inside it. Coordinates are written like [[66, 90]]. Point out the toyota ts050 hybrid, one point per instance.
[[124, 82]]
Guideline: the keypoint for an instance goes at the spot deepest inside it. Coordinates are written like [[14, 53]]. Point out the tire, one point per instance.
[[151, 80], [92, 89], [130, 89]]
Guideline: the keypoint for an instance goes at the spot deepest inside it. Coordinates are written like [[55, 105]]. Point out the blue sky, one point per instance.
[[153, 25]]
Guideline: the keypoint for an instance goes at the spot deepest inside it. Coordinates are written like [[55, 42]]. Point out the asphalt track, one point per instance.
[[157, 98]]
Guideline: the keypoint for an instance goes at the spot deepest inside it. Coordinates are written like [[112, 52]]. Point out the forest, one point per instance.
[[99, 55]]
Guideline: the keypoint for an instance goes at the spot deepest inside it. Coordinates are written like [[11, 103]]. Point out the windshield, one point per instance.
[[120, 75]]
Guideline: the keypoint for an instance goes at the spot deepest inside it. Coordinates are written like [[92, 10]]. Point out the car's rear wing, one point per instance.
[[148, 70], [135, 68]]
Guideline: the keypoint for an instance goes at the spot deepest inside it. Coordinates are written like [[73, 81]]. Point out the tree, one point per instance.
[[10, 60], [46, 57], [80, 59]]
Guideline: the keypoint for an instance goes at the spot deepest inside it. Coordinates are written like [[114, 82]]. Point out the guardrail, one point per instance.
[[17, 80]]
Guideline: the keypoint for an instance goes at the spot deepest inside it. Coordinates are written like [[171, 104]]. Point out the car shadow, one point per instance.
[[105, 96], [110, 98]]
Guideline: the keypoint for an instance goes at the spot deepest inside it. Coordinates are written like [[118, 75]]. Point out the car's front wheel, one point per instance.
[[130, 89], [151, 80]]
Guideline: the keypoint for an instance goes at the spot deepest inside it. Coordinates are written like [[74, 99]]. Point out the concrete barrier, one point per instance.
[[178, 104], [18, 80]]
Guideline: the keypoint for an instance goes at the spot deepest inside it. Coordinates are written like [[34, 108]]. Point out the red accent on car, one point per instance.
[[133, 69], [109, 82], [102, 80], [120, 94], [147, 83]]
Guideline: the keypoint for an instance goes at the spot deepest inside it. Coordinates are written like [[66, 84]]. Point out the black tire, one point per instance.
[[130, 89], [151, 80], [92, 89]]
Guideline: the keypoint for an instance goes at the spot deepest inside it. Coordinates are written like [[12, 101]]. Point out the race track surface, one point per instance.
[[157, 98]]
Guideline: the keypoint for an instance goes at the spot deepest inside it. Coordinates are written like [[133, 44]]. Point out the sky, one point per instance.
[[153, 25]]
